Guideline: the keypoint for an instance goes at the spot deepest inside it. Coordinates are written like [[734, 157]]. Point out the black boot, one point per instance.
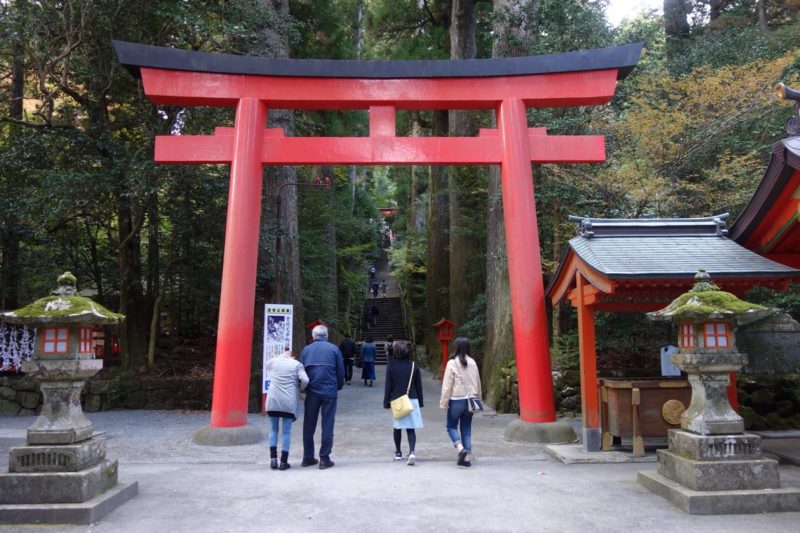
[[273, 457], [284, 461]]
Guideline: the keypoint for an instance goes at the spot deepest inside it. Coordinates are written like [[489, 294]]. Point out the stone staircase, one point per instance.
[[390, 313]]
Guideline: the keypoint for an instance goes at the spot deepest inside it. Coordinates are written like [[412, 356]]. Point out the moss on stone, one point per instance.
[[712, 303], [52, 309]]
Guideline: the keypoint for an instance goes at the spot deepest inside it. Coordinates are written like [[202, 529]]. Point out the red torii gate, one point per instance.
[[253, 85]]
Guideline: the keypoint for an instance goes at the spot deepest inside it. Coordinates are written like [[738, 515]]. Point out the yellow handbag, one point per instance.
[[402, 406]]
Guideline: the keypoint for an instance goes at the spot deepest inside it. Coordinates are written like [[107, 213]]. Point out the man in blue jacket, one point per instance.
[[325, 368]]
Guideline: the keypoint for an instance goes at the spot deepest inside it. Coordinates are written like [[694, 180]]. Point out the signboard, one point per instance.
[[277, 335]]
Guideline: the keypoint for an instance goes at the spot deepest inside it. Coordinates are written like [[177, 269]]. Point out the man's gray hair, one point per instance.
[[320, 332]]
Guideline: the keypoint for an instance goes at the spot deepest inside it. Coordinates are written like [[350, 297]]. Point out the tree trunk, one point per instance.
[[10, 237], [511, 32], [555, 327], [438, 270], [131, 301], [467, 202], [715, 8], [761, 9], [676, 26]]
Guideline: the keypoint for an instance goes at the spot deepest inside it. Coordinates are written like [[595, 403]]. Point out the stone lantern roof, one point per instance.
[[63, 306], [705, 301]]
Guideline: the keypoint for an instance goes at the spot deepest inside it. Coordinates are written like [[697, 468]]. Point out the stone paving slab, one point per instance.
[[787, 451], [574, 454]]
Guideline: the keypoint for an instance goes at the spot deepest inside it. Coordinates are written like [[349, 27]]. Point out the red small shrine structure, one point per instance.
[[253, 85], [769, 225], [620, 265]]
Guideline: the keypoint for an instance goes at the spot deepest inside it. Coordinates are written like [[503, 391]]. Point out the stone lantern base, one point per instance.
[[719, 474], [61, 475], [61, 484]]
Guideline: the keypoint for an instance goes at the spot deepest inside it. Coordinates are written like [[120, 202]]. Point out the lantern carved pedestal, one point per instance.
[[61, 475], [711, 465]]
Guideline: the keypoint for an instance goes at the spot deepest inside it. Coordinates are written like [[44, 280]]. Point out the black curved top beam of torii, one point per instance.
[[135, 56]]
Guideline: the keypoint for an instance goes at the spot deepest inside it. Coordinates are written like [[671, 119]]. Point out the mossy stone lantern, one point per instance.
[[63, 358], [707, 318], [712, 466]]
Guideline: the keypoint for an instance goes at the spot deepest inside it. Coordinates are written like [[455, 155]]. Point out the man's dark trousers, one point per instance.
[[348, 368], [313, 405]]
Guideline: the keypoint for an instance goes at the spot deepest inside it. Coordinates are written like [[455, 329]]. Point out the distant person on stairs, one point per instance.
[[384, 287], [325, 368], [348, 349], [374, 288], [398, 377], [368, 354], [373, 313]]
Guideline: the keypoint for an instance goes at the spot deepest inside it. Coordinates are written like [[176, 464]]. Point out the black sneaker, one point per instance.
[[398, 456], [309, 462], [325, 463], [462, 456]]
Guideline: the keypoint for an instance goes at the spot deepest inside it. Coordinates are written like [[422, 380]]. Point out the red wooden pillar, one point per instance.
[[733, 395], [237, 299], [536, 400], [588, 362]]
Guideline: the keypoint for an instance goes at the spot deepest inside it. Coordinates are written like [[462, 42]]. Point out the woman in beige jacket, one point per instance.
[[461, 381]]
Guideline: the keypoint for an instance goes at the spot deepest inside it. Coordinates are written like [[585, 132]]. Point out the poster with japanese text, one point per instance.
[[277, 334]]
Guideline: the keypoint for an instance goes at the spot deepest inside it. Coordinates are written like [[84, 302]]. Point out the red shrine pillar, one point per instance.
[[534, 375], [237, 299]]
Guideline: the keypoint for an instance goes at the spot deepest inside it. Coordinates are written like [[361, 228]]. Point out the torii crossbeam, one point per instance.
[[253, 85]]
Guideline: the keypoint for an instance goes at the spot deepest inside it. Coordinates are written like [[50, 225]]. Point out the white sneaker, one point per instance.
[[412, 459]]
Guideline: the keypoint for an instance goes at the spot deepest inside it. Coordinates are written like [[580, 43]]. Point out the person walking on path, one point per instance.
[[389, 347], [372, 272], [348, 349], [287, 378], [384, 287], [374, 312], [325, 367], [368, 354], [374, 288], [461, 381], [403, 376]]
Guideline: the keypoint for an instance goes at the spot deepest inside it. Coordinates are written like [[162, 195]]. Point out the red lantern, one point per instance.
[[445, 332]]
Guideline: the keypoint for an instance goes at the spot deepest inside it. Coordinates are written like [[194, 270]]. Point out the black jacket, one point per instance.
[[397, 374], [348, 348]]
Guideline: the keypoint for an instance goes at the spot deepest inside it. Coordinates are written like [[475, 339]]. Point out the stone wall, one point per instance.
[[20, 396], [772, 345]]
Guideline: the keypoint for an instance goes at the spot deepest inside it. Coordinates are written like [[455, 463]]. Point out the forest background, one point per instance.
[[687, 134]]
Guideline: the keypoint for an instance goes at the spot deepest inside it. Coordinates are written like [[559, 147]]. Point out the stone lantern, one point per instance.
[[711, 465], [61, 461]]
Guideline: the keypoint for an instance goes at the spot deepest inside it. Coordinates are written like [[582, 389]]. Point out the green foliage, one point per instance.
[[564, 352], [788, 301]]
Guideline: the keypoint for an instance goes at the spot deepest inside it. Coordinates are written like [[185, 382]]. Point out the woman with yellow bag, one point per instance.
[[403, 378]]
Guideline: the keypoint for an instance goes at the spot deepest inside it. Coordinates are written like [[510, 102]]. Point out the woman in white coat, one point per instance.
[[287, 378]]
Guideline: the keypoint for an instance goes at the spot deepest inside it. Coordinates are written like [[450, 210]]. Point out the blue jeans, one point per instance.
[[313, 406], [458, 414], [274, 421]]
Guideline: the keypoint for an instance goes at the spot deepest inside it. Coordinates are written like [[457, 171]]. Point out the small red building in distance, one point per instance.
[[387, 212]]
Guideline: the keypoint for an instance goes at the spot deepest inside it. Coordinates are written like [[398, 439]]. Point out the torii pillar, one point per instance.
[[252, 85]]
